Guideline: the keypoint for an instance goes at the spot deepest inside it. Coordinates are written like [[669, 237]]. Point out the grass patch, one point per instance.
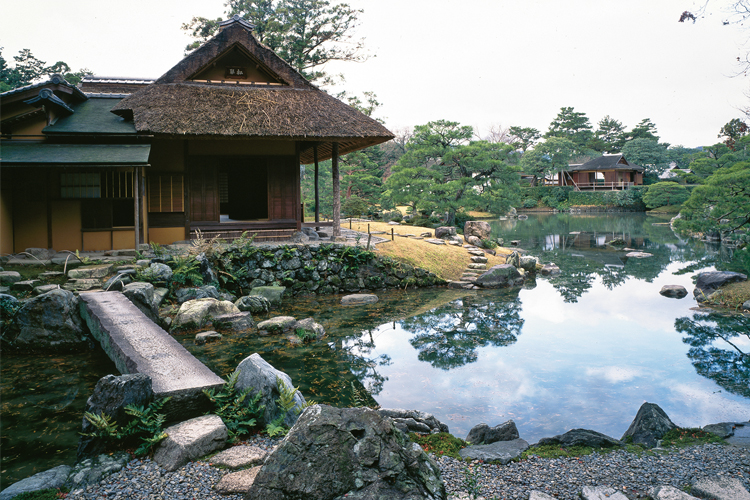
[[446, 261], [732, 295], [441, 444], [556, 451], [680, 437], [46, 494], [668, 209]]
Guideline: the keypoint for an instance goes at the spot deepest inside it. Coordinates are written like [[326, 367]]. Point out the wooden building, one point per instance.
[[215, 145], [606, 173]]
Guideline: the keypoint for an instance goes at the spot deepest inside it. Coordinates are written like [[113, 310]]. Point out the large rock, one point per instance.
[[580, 437], [309, 326], [499, 451], [274, 294], [199, 313], [673, 291], [478, 228], [7, 278], [52, 478], [445, 232], [333, 453], [91, 272], [237, 482], [143, 296], [8, 307], [189, 440], [484, 434], [473, 240], [239, 322], [92, 470], [254, 304], [502, 275], [259, 376], [207, 272], [49, 321], [110, 397], [414, 420], [601, 493], [720, 488], [669, 493], [528, 263], [277, 325], [650, 425], [709, 282], [158, 273], [358, 299], [204, 292], [239, 457], [514, 259]]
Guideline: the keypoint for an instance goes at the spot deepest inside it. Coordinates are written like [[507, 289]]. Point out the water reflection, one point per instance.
[[719, 348], [449, 336]]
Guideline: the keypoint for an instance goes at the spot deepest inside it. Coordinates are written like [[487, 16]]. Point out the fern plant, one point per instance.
[[238, 409], [146, 424], [285, 402], [186, 271]]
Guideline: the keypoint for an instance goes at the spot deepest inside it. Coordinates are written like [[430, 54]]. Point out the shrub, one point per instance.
[[663, 194], [393, 215], [529, 203], [354, 205], [441, 444]]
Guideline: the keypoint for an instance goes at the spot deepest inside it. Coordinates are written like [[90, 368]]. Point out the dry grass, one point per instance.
[[732, 295], [447, 261]]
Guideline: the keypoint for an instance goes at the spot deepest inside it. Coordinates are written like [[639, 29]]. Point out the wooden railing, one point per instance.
[[603, 186]]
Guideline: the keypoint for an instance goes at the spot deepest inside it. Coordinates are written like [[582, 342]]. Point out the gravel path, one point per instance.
[[562, 478]]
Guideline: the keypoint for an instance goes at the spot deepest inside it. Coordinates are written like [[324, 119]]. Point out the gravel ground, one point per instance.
[[562, 478], [631, 474]]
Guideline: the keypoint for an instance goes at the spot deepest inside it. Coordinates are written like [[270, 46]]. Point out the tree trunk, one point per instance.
[[336, 190]]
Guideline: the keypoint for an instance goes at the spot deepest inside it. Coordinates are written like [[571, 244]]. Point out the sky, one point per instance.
[[483, 63]]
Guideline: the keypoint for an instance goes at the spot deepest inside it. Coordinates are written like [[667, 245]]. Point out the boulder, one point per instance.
[[311, 233], [650, 425], [259, 376], [550, 270], [499, 451], [709, 282], [746, 305], [277, 325], [92, 470], [358, 299], [720, 488], [502, 275], [673, 291], [309, 325], [90, 272], [239, 457], [528, 263], [117, 282], [254, 304], [723, 430], [207, 337], [580, 437], [445, 232], [158, 273], [207, 272], [478, 228], [273, 294], [40, 253], [237, 482], [514, 259], [473, 240], [189, 440], [601, 493], [414, 420], [141, 294], [8, 307], [49, 321], [205, 292], [110, 397], [199, 313], [669, 493], [355, 453], [52, 478], [239, 322], [484, 434]]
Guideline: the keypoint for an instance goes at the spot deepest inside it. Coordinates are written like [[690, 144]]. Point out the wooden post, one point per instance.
[[392, 237], [336, 190], [317, 192], [137, 205]]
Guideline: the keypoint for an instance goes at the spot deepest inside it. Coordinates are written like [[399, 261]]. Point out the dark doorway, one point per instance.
[[243, 189]]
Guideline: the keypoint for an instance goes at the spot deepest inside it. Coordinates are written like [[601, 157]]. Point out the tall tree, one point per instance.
[[548, 158], [732, 131], [572, 125], [523, 138], [644, 130], [648, 154], [28, 69], [305, 33], [609, 136]]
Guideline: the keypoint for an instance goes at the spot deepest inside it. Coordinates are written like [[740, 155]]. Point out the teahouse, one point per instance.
[[607, 172], [215, 145]]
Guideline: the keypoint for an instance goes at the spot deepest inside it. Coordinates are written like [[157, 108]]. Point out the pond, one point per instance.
[[583, 349]]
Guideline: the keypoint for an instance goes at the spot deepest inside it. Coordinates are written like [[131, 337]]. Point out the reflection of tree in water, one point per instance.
[[449, 336], [715, 351], [357, 354]]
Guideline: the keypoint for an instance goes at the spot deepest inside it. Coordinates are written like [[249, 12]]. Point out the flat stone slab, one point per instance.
[[479, 259], [720, 488], [206, 337], [358, 299], [435, 241], [459, 284], [51, 274], [638, 255], [239, 456], [237, 482], [44, 289], [278, 324], [25, 285], [189, 440], [501, 451], [137, 345], [538, 495], [82, 285], [669, 493], [89, 272], [478, 267]]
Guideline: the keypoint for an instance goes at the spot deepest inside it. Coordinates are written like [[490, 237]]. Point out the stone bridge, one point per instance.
[[137, 345]]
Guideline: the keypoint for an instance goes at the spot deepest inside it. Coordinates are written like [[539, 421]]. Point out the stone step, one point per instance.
[[480, 267], [479, 260], [459, 284], [476, 253]]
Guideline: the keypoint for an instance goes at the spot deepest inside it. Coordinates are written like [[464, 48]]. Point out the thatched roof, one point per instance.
[[293, 110], [606, 162]]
